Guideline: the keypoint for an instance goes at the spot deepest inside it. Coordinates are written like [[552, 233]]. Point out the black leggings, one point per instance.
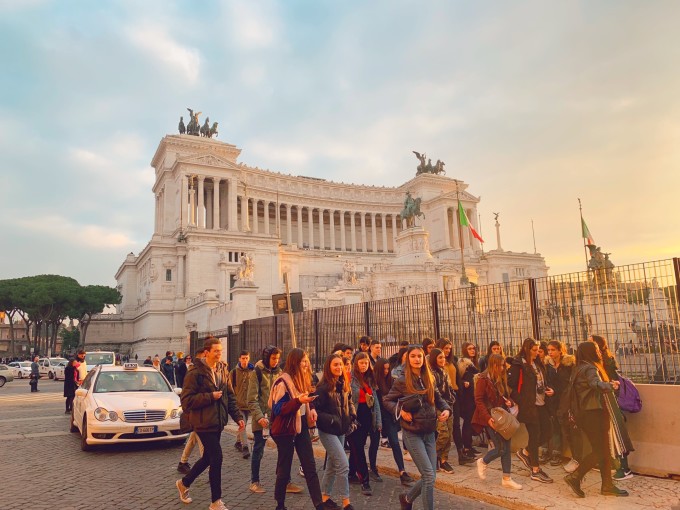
[[357, 443], [595, 425], [539, 433], [212, 457]]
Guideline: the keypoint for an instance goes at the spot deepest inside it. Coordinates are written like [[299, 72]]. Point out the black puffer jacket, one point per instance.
[[334, 408], [424, 420], [206, 413], [558, 380], [522, 381]]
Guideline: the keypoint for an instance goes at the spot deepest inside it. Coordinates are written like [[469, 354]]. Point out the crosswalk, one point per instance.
[[31, 398]]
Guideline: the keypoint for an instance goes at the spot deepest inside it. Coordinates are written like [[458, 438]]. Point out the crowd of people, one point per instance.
[[435, 398]]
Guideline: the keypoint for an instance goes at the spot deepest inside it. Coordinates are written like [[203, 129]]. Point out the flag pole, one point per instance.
[[463, 279], [585, 251]]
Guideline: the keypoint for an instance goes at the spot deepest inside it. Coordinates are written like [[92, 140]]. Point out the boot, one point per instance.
[[612, 490], [574, 482]]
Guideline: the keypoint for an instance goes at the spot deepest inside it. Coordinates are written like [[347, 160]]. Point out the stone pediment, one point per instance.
[[208, 160]]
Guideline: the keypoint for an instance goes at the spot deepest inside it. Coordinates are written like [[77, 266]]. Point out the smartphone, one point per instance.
[[314, 397]]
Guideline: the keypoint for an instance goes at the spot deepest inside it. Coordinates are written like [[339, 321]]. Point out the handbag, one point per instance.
[[410, 403], [504, 422], [370, 400]]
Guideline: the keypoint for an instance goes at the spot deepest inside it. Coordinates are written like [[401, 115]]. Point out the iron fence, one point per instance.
[[635, 307]]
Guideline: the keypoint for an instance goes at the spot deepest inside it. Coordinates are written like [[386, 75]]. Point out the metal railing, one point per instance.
[[635, 307]]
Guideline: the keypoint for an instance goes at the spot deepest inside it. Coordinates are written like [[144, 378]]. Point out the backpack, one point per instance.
[[629, 397]]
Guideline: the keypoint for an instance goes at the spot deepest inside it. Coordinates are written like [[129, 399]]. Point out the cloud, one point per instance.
[[160, 46], [254, 25]]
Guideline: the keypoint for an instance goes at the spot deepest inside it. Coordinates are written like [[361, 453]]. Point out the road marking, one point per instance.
[[13, 437], [53, 417], [47, 397]]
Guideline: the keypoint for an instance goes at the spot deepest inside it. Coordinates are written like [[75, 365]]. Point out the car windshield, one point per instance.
[[130, 380], [98, 358], [56, 361], [25, 364]]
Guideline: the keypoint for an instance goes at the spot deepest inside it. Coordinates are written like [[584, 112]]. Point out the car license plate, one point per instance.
[[146, 430]]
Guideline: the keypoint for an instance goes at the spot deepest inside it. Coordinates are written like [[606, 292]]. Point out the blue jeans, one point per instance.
[[501, 449], [424, 454], [337, 466], [390, 428], [258, 451]]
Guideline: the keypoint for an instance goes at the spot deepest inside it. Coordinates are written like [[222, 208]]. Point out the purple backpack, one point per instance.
[[629, 396]]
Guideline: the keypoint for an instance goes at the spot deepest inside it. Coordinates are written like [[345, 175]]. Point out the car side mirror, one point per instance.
[[81, 392], [178, 391]]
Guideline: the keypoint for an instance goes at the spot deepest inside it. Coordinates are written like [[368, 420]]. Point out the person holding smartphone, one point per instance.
[[290, 394]]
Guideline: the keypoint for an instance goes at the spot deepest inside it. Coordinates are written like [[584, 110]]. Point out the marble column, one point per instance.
[[209, 207], [353, 230], [192, 204], [322, 233], [266, 217], [216, 203], [383, 219], [244, 214], [180, 276], [331, 219], [310, 226], [256, 218], [343, 244], [374, 234], [289, 226], [447, 229], [363, 232], [394, 230], [200, 211], [184, 199], [232, 205], [300, 240], [157, 215]]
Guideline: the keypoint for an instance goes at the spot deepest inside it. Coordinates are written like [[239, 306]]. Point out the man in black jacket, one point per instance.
[[209, 398]]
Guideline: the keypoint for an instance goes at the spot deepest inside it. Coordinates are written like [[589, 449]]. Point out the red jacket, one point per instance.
[[486, 397]]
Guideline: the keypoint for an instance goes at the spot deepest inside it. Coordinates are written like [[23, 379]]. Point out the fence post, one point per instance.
[[435, 315], [316, 340], [367, 321], [676, 266], [533, 301]]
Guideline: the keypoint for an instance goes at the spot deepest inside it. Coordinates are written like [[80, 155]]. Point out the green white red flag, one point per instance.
[[464, 222], [585, 233]]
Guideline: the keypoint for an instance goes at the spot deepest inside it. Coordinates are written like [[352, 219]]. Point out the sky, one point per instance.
[[534, 104]]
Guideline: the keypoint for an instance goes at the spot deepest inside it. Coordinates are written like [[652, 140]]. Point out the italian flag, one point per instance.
[[585, 233], [464, 222]]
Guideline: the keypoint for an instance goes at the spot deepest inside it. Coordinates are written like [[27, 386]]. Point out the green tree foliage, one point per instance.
[[70, 339], [45, 301]]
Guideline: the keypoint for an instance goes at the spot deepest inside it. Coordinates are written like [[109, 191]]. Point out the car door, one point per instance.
[[80, 403]]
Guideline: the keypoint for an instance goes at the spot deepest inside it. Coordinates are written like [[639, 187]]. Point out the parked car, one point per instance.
[[48, 366], [20, 369], [104, 358], [125, 404], [59, 371], [6, 375]]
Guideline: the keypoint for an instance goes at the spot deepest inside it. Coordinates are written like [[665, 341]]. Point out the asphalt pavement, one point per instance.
[[42, 467]]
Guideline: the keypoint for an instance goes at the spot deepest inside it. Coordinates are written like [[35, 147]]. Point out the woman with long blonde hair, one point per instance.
[[414, 397], [492, 390]]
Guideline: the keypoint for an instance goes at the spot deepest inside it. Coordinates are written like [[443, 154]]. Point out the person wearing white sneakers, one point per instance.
[[491, 391]]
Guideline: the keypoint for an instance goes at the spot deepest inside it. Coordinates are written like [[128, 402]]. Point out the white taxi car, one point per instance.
[[20, 369], [125, 404]]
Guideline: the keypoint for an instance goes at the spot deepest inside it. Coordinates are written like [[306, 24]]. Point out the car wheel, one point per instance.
[[21, 376], [2, 381], [74, 427], [83, 437], [50, 375]]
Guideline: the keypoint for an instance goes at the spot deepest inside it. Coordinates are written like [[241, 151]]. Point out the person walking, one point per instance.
[[437, 361], [335, 415], [240, 376], [492, 390], [467, 369], [591, 386], [183, 365], [35, 375], [262, 378], [415, 399], [209, 397], [184, 467], [370, 423], [168, 369], [527, 381], [290, 402], [148, 362], [390, 425], [69, 385]]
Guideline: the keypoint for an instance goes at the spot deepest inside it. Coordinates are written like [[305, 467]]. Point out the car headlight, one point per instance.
[[176, 413], [103, 415]]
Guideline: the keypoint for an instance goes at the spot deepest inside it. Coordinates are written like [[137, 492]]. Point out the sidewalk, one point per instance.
[[645, 492]]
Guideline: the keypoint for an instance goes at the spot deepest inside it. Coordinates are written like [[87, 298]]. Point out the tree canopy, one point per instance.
[[45, 301]]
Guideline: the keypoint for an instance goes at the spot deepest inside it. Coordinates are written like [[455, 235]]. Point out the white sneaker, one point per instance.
[[217, 505], [183, 492], [571, 466], [509, 483], [481, 469], [257, 488]]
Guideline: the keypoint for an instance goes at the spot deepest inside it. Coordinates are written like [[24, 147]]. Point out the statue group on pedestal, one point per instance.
[[411, 210], [600, 265], [194, 127], [246, 272], [429, 168]]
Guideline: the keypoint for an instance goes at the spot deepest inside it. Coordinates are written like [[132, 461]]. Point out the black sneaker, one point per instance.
[[613, 491], [238, 445], [354, 480], [406, 479], [375, 476], [524, 458], [329, 504], [184, 467], [366, 489], [541, 476], [348, 507], [405, 504], [575, 484], [246, 453], [446, 467]]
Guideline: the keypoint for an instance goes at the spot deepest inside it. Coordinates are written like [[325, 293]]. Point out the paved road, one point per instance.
[[42, 467]]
